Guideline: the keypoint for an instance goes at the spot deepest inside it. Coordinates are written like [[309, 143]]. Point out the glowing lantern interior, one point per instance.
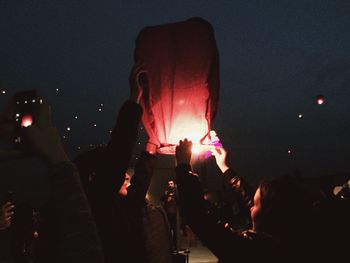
[[27, 120], [180, 98]]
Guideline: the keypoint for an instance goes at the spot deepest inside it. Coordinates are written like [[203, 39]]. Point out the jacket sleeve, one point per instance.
[[77, 237], [141, 180], [119, 149], [224, 243]]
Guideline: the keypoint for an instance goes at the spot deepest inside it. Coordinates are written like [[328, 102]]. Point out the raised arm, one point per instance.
[[119, 149], [77, 239], [213, 235], [141, 180]]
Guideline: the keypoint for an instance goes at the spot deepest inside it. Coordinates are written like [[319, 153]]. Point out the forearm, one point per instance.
[[141, 180], [202, 222], [78, 240], [125, 131], [118, 152]]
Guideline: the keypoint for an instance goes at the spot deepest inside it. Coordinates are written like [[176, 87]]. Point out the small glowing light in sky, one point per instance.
[[79, 147], [95, 125], [33, 100], [27, 120], [99, 109], [101, 104], [64, 136], [300, 115], [289, 151], [68, 128], [25, 101], [320, 99], [76, 117], [3, 91], [57, 90], [110, 131]]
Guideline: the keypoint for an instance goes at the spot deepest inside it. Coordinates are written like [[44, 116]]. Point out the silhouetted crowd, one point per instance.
[[97, 212]]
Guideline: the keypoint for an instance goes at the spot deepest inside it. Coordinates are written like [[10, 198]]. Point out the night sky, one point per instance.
[[275, 58]]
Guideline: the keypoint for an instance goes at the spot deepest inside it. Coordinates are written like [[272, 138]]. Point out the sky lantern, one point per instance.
[[320, 99], [181, 96]]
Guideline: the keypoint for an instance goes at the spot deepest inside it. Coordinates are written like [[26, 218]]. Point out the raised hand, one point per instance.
[[221, 158], [184, 152], [137, 81]]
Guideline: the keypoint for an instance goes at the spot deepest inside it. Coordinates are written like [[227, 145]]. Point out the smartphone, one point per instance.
[[26, 107]]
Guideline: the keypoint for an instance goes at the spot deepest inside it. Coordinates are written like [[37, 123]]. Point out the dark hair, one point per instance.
[[284, 206]]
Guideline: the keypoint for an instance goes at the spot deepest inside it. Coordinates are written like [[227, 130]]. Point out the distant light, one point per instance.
[[289, 151], [76, 117], [68, 128], [64, 136], [300, 115], [33, 100], [27, 120], [320, 99], [110, 131], [95, 124], [25, 102], [79, 147], [101, 104], [3, 92], [57, 90], [99, 109]]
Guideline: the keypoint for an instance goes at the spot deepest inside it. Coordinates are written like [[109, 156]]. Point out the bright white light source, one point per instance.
[[320, 99], [300, 115], [68, 128]]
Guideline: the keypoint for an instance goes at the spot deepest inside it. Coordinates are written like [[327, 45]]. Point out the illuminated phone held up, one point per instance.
[[26, 108]]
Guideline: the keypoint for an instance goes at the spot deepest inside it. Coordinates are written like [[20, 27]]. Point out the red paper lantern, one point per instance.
[[320, 99], [182, 66]]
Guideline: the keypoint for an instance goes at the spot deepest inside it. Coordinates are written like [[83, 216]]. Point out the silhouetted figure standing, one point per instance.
[[169, 199]]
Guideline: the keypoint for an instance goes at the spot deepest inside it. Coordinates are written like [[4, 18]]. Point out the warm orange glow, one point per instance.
[[182, 82], [27, 120]]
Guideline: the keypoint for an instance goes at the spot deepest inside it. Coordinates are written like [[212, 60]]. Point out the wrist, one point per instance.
[[224, 168]]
